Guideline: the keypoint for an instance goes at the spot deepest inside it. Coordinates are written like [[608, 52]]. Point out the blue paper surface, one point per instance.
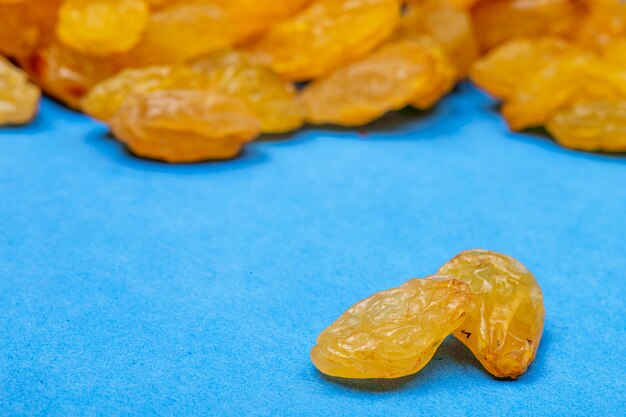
[[130, 287]]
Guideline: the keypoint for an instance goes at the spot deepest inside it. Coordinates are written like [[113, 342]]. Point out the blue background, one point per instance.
[[130, 287]]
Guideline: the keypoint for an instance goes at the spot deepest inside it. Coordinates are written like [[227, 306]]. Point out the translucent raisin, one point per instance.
[[505, 69], [449, 26], [252, 17], [19, 99], [393, 333], [504, 326], [566, 82], [184, 125], [270, 98], [103, 100], [102, 27], [592, 126], [325, 35], [26, 25], [498, 21], [400, 73], [66, 74], [181, 32]]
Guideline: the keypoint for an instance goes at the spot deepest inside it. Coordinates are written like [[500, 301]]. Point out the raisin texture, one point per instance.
[[400, 73], [181, 32], [504, 326], [591, 126], [393, 333], [102, 27], [184, 125], [325, 35], [270, 98], [103, 100]]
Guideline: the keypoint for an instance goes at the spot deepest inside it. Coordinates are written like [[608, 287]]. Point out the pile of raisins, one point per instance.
[[192, 80]]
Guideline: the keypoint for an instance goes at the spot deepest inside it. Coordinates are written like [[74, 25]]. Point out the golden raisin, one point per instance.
[[253, 17], [447, 25], [184, 125], [442, 76], [19, 99], [393, 77], [592, 126], [26, 25], [270, 98], [325, 35], [504, 327], [395, 332], [103, 100], [567, 81], [102, 27], [181, 32], [497, 21], [505, 70], [66, 74]]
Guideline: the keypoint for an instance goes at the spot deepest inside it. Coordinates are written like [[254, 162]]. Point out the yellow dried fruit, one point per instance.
[[504, 327], [270, 98], [26, 25], [181, 32], [393, 333], [442, 77], [325, 35], [393, 77], [66, 74], [570, 80], [498, 21], [103, 100], [591, 126], [19, 99], [102, 27], [504, 70], [253, 17], [605, 23], [449, 26], [184, 125]]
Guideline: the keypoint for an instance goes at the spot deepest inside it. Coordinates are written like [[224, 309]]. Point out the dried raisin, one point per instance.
[[184, 125], [18, 98], [393, 333], [504, 326]]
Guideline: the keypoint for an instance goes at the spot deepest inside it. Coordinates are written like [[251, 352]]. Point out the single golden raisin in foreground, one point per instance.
[[393, 333], [393, 77], [103, 100], [102, 27], [592, 126], [325, 35], [270, 98], [184, 125], [504, 327], [19, 99]]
